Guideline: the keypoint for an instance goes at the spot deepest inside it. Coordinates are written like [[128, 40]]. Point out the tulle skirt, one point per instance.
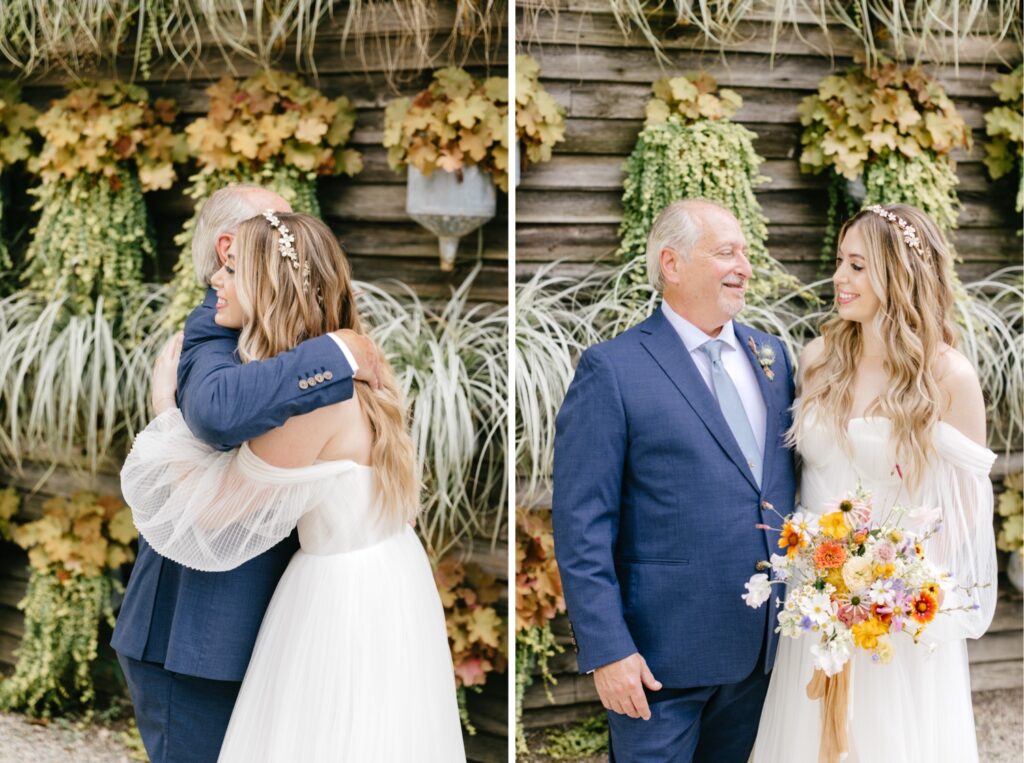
[[914, 709], [351, 664]]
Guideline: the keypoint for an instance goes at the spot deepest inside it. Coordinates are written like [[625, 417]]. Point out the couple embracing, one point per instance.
[[676, 445], [274, 493]]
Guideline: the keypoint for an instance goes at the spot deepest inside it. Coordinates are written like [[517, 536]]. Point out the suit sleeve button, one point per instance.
[[328, 375], [319, 378], [311, 381], [303, 384]]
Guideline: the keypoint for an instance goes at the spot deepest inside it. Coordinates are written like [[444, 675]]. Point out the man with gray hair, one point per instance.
[[669, 451], [183, 637]]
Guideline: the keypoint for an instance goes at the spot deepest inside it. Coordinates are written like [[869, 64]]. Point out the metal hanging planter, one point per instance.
[[450, 205]]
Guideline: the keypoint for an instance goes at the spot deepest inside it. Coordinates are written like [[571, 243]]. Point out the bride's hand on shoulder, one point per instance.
[[963, 404], [165, 375]]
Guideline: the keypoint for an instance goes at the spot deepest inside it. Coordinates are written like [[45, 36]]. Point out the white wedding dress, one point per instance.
[[917, 708], [352, 661]]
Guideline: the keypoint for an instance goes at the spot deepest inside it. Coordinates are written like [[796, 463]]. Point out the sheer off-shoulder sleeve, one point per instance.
[[207, 509], [965, 546]]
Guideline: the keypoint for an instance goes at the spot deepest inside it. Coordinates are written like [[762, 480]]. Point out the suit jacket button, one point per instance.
[[319, 378], [328, 375], [303, 384], [311, 381]]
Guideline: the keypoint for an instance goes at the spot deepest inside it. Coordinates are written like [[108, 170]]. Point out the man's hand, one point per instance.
[[366, 354], [621, 686], [165, 374]]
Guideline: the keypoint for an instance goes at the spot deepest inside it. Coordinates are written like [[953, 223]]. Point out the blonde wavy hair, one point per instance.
[[914, 321], [280, 311]]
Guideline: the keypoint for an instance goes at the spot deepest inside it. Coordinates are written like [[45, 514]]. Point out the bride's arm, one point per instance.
[[965, 546]]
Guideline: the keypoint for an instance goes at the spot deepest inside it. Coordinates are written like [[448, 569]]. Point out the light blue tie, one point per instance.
[[732, 407]]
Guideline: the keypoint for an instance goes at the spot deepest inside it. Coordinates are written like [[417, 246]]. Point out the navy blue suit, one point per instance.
[[654, 513], [184, 637]]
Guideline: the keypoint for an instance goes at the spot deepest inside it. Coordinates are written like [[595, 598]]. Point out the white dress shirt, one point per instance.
[[346, 352], [737, 365]]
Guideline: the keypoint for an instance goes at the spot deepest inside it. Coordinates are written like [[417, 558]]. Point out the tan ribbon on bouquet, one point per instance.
[[833, 691]]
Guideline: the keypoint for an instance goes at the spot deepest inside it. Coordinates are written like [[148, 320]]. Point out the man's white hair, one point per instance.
[[222, 213], [678, 226]]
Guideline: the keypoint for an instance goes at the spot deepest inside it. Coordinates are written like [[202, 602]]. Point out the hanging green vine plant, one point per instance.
[[271, 130], [16, 119], [894, 129], [104, 146], [689, 148], [1004, 125], [71, 550]]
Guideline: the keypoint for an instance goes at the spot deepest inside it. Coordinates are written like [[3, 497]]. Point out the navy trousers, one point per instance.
[[182, 718], [708, 724]]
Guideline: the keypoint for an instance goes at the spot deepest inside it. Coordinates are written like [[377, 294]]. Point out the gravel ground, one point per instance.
[[998, 716]]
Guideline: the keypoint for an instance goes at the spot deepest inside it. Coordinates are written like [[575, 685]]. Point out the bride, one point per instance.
[[352, 660], [886, 400]]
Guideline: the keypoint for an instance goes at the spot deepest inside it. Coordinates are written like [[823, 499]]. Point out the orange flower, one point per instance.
[[924, 608], [919, 550], [878, 614], [828, 555], [791, 539]]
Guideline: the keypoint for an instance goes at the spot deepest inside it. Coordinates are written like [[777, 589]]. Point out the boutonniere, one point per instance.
[[765, 357]]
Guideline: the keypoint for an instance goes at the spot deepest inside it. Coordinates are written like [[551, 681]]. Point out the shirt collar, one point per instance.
[[693, 338]]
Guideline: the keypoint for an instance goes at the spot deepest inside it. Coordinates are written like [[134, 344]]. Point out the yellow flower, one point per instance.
[[866, 633], [895, 536], [835, 577], [885, 570], [834, 525]]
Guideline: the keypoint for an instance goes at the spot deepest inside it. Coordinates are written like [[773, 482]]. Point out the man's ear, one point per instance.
[[223, 244], [669, 263]]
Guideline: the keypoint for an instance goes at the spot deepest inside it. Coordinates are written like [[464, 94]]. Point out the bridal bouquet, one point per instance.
[[854, 580]]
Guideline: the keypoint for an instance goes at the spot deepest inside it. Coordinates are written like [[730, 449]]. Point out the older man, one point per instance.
[[184, 637], [669, 450]]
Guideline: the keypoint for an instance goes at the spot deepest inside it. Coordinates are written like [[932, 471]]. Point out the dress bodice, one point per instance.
[[830, 470]]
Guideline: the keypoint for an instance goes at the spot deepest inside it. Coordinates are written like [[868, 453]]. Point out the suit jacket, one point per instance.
[[655, 509], [205, 623]]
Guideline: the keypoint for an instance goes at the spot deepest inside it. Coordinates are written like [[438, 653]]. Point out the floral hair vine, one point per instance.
[[286, 245], [909, 231]]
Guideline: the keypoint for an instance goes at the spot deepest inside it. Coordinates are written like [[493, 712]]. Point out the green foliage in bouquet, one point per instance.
[[1004, 125], [16, 120], [71, 550], [540, 119], [539, 599], [104, 146], [682, 153], [271, 130], [893, 127], [456, 122]]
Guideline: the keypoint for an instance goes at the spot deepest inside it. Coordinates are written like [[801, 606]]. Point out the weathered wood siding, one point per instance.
[[368, 211], [570, 208]]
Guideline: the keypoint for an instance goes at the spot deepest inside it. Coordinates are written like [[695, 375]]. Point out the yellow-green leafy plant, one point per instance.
[[456, 122], [682, 152], [1004, 125], [71, 550], [16, 121], [476, 630], [540, 119], [893, 127], [539, 599], [104, 145], [271, 130], [1011, 511]]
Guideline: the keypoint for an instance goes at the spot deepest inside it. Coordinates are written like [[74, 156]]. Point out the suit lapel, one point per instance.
[[771, 418], [669, 352]]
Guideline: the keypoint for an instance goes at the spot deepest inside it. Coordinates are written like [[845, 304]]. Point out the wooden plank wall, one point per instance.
[[570, 208], [368, 211]]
